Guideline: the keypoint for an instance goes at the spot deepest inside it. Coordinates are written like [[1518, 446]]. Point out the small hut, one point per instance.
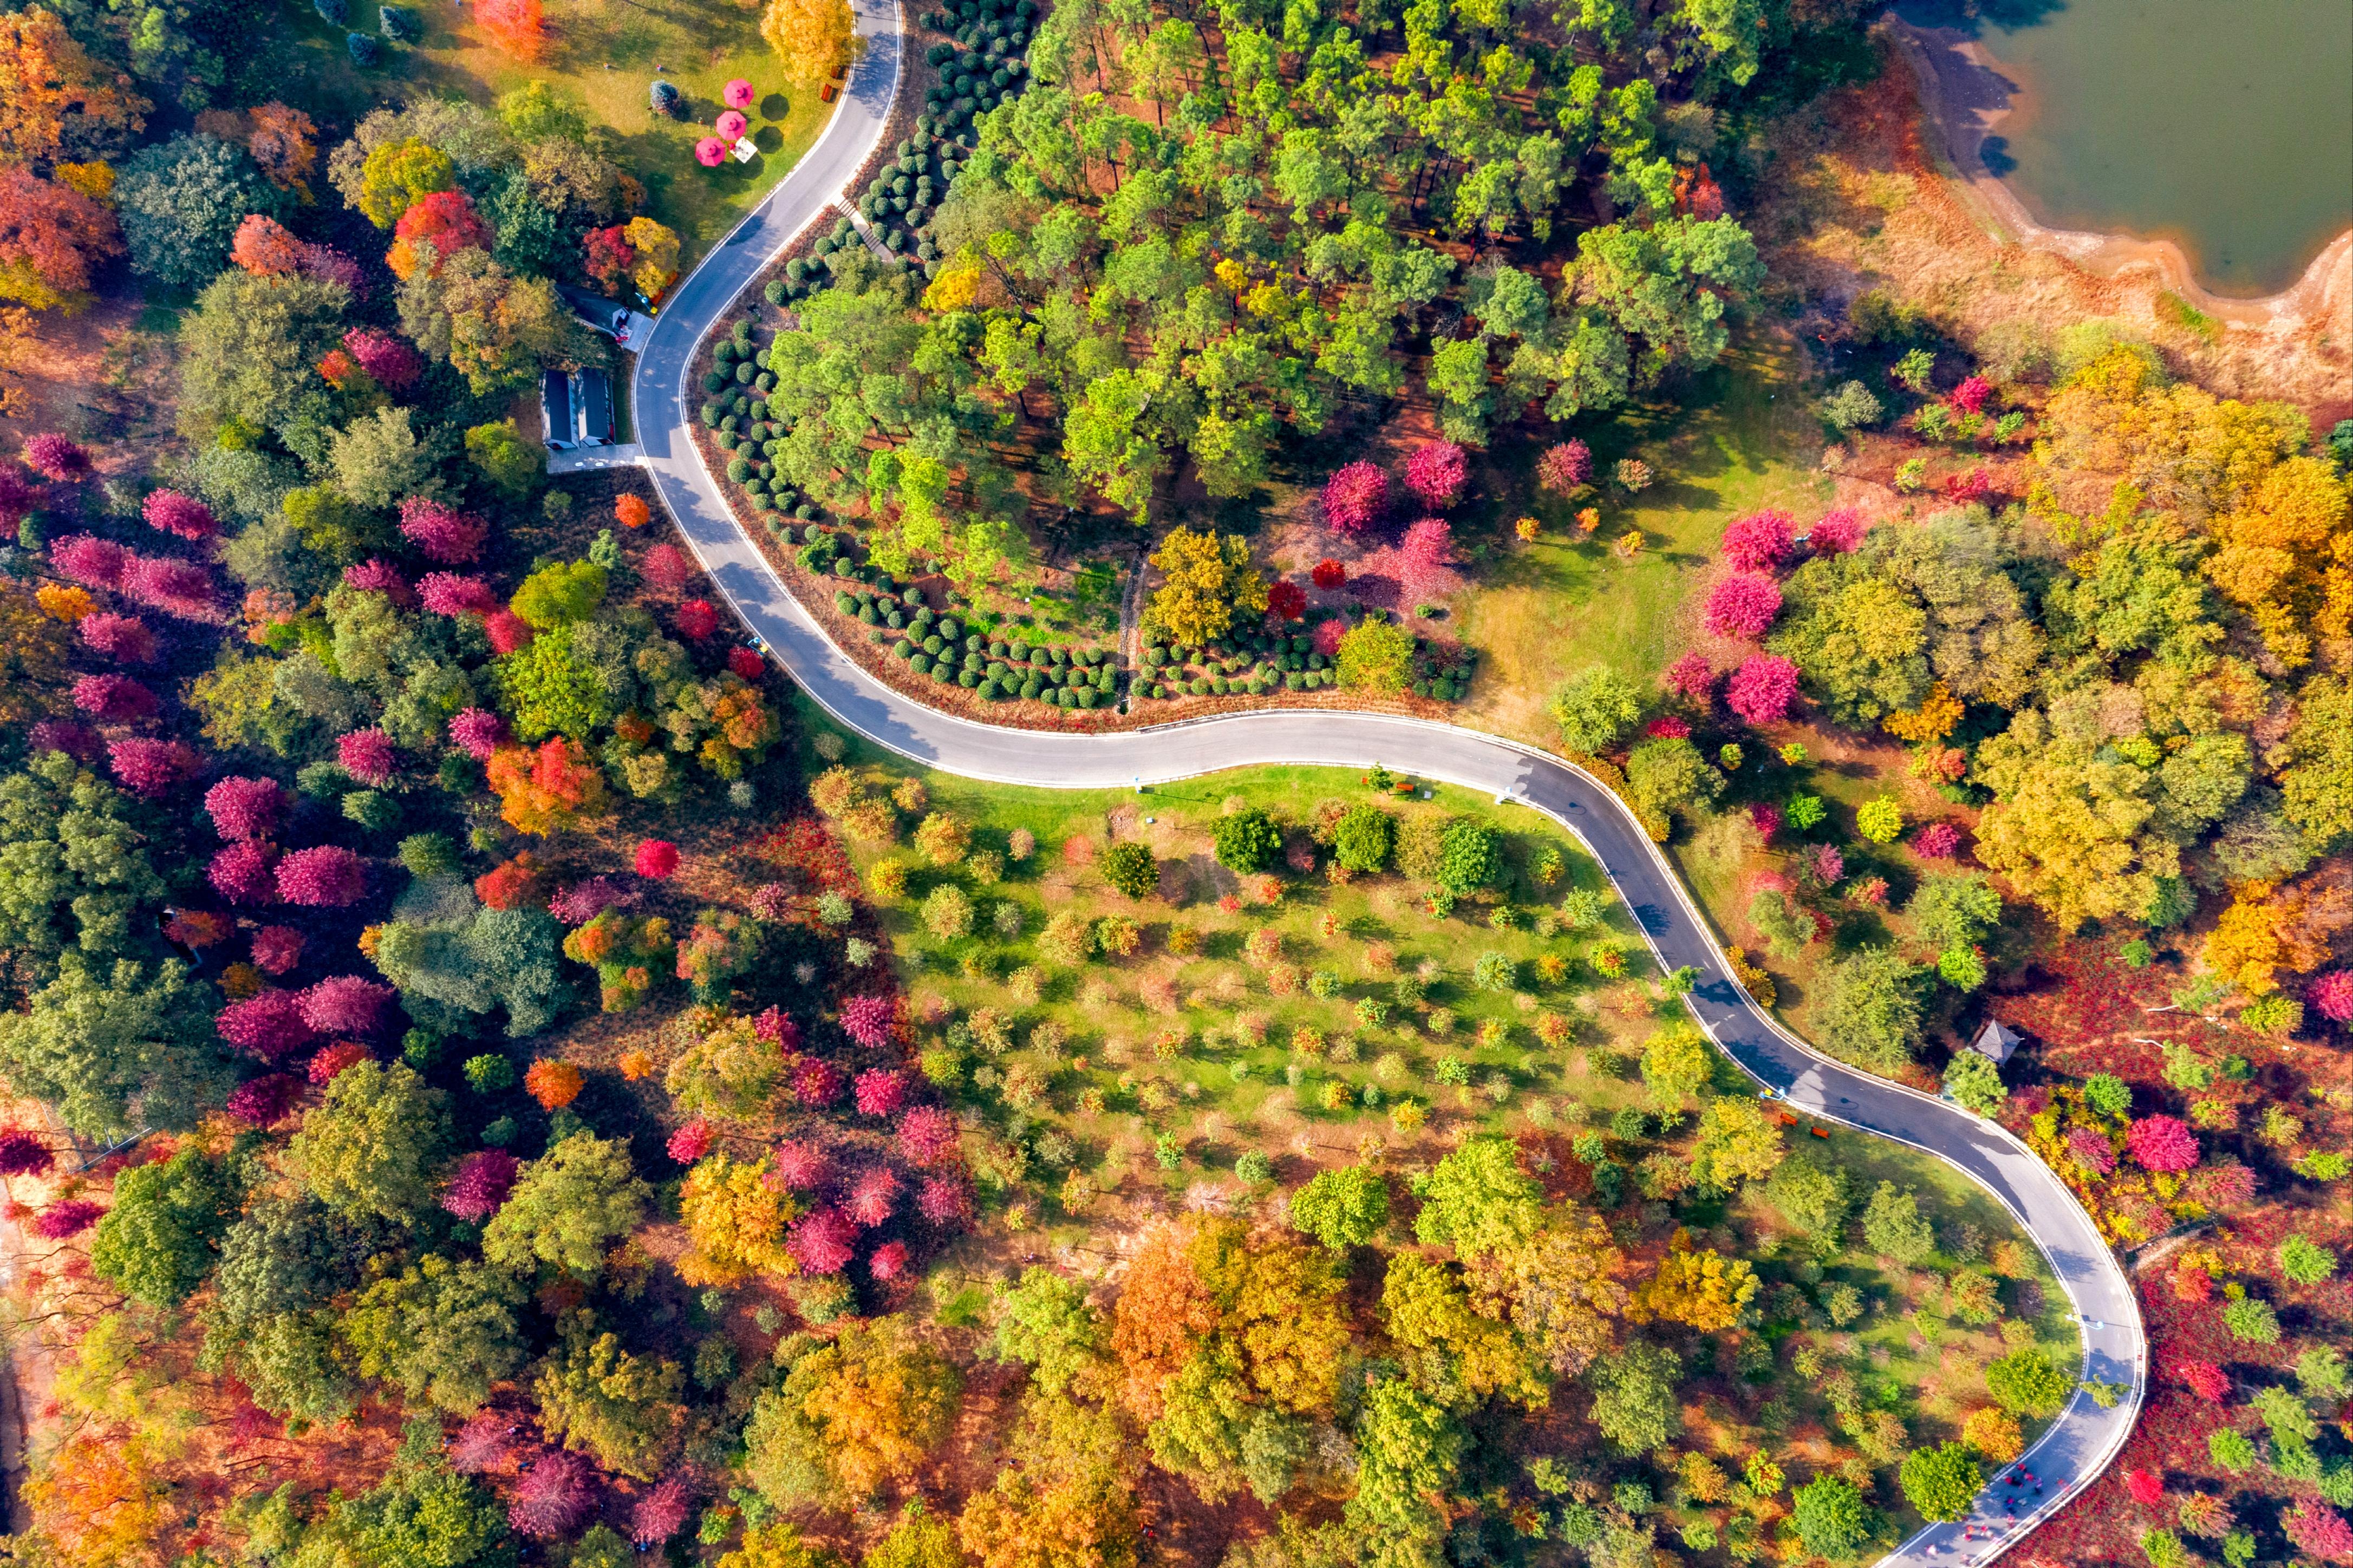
[[1997, 1041]]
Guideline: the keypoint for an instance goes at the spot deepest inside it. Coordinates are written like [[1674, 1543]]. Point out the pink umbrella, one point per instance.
[[732, 126], [737, 94], [711, 151]]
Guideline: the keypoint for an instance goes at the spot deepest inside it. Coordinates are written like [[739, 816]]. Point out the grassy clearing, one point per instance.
[[1740, 439], [603, 55]]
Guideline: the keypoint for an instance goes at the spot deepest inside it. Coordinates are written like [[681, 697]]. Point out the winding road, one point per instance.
[[2077, 1446]]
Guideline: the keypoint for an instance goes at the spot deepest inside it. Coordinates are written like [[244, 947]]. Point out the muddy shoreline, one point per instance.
[[1965, 97]]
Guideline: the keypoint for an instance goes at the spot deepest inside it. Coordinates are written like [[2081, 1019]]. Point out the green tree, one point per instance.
[[1341, 1207], [420, 1513], [249, 353], [1813, 1196], [1375, 656], [1132, 868], [1247, 841], [1941, 1483], [1663, 293], [575, 678], [2024, 1382], [1668, 774], [1783, 924], [1975, 1083], [560, 593], [371, 1147], [1409, 1451], [1362, 838], [620, 1409], [1470, 855], [1954, 909], [117, 1046], [269, 1321], [1634, 1403], [1831, 1517], [378, 459], [74, 871], [159, 1240], [1477, 1200], [180, 203], [1893, 1226], [502, 456], [1046, 1321], [442, 1331], [1872, 1008], [568, 1208], [2304, 1261], [1595, 709]]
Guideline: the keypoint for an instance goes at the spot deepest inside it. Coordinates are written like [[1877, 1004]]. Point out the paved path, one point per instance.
[[2077, 1446]]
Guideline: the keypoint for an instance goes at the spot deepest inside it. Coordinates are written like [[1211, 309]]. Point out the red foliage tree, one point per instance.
[[1762, 689], [377, 576], [333, 1057], [1286, 602], [24, 1153], [149, 769], [1970, 396], [817, 1082], [265, 247], [665, 569], [656, 858], [607, 258], [510, 884], [447, 535], [821, 1243], [873, 1197], [2147, 1490], [746, 664], [867, 1020], [697, 620], [328, 878], [245, 872], [1937, 841], [943, 1200], [516, 27], [486, 1441], [890, 1260], [691, 1141], [94, 563], [555, 1497], [1693, 678], [124, 637], [180, 588], [261, 1101], [1566, 467], [2163, 1144], [182, 516], [798, 1165], [436, 228], [2332, 995], [1743, 605], [660, 1513], [113, 698], [481, 1184], [244, 807], [56, 457], [71, 1217], [2207, 1381], [1328, 574], [79, 742], [880, 1092], [2319, 1530], [52, 239], [1437, 472], [447, 594], [926, 1136], [269, 1025], [1355, 497], [277, 949]]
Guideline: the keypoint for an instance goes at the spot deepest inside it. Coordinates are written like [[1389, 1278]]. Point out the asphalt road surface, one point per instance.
[[2077, 1446]]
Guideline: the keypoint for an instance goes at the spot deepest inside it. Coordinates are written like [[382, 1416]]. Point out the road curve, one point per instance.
[[2085, 1438]]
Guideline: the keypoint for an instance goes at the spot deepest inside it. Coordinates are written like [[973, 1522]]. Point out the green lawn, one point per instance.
[[1739, 438], [603, 54]]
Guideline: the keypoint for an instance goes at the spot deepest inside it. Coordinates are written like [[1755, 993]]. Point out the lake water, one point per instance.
[[2225, 125]]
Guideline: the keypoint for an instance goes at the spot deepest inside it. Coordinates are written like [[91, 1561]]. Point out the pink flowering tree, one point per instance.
[[277, 949], [1437, 472], [656, 859], [57, 457], [2332, 995], [377, 576], [367, 755], [149, 769], [1759, 541], [483, 1444], [24, 1153], [873, 1197], [113, 698], [1837, 532], [1566, 467], [943, 1200], [181, 516], [660, 1513], [584, 901], [178, 588], [1766, 818], [926, 1136], [390, 363], [2319, 1530], [446, 535], [821, 1243], [346, 1005], [124, 637], [1423, 557], [269, 1025], [1762, 689], [1693, 678], [1743, 605], [1937, 841], [243, 807], [2204, 1379], [71, 1217], [1355, 497], [2163, 1144], [880, 1092], [477, 732], [798, 1165], [890, 1260], [326, 878], [245, 872], [817, 1082], [555, 1497], [86, 559], [867, 1020], [449, 593], [690, 1142], [480, 1186], [79, 741]]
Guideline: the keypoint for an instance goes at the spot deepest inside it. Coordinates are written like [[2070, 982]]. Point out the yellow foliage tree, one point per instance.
[[656, 250], [2243, 948], [735, 1223], [2287, 557], [1206, 579], [1931, 722], [1704, 1290], [1068, 1501], [1428, 1310], [1993, 1432], [1738, 1142], [1560, 1288], [813, 36], [881, 1398]]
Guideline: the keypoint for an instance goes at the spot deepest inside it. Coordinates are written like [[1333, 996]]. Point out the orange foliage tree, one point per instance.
[[101, 1498], [515, 27], [265, 247], [52, 93], [553, 1084], [542, 790], [444, 221], [283, 146], [631, 512]]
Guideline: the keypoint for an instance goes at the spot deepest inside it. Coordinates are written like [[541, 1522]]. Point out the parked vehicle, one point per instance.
[[592, 403], [556, 417]]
